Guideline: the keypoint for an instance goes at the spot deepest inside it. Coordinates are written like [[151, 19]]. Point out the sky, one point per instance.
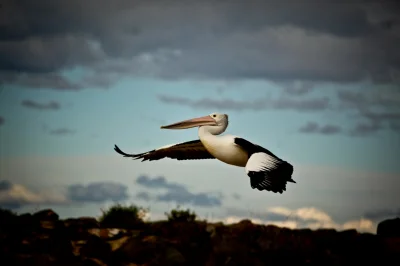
[[316, 84]]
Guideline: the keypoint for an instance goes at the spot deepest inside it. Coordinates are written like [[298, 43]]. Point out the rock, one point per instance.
[[117, 243], [43, 239], [25, 223], [391, 246], [93, 262], [40, 259], [108, 233], [349, 233], [172, 257], [389, 228], [42, 243], [48, 225], [212, 229], [76, 246], [95, 247], [136, 251], [83, 223], [231, 247], [152, 250], [78, 228], [7, 219]]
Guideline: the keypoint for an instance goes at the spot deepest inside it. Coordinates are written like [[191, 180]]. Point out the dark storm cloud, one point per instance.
[[395, 127], [382, 214], [312, 104], [158, 182], [5, 185], [365, 129], [98, 192], [52, 81], [370, 98], [46, 54], [184, 196], [303, 89], [378, 117], [52, 105], [312, 127], [143, 196], [2, 120], [375, 109], [177, 193], [223, 39], [61, 131], [329, 129], [94, 16], [236, 196]]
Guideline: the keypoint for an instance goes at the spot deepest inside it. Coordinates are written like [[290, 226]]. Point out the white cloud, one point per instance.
[[302, 203], [307, 217], [19, 195], [304, 217], [236, 219], [306, 214], [362, 225]]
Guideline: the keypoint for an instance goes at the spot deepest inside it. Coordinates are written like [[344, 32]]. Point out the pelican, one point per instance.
[[265, 170]]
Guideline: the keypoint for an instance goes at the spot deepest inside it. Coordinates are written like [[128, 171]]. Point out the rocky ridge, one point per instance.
[[44, 239]]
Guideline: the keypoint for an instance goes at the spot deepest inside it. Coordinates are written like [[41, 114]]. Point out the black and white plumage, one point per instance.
[[266, 170]]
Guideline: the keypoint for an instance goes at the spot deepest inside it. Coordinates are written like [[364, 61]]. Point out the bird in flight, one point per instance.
[[265, 170]]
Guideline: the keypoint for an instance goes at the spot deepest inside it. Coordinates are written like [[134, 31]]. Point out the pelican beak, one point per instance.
[[195, 122]]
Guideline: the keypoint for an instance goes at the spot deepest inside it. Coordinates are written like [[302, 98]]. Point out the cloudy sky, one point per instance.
[[316, 83]]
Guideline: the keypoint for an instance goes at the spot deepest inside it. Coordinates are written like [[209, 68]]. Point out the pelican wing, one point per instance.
[[190, 150], [266, 170]]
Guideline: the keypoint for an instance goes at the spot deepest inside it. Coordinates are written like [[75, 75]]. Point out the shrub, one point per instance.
[[178, 215], [6, 213], [119, 216]]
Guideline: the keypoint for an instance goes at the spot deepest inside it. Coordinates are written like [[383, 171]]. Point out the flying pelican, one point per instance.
[[266, 170]]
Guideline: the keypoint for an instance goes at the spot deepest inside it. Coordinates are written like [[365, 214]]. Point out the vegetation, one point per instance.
[[6, 213], [7, 217], [42, 238], [119, 216], [178, 215]]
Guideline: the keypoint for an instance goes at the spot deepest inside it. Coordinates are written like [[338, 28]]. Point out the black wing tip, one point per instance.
[[273, 181], [117, 149], [134, 156]]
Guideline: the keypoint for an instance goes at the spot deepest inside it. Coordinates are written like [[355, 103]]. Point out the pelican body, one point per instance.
[[265, 170]]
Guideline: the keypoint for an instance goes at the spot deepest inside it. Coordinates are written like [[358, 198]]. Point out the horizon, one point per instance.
[[321, 92]]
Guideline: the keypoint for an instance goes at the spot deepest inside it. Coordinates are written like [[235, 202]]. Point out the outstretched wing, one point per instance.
[[266, 170], [190, 150]]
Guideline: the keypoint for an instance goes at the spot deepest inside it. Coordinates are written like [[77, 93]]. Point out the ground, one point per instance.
[[44, 239]]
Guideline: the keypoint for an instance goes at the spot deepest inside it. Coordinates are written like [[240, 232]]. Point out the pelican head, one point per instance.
[[212, 120]]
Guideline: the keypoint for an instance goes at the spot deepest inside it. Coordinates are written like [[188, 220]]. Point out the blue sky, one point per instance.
[[61, 116]]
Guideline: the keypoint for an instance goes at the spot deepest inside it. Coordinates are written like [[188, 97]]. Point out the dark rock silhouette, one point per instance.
[[43, 239], [390, 227]]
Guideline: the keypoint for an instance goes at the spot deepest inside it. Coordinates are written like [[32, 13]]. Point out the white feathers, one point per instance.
[[261, 161]]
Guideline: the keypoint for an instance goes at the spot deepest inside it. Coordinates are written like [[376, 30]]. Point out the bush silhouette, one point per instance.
[[119, 216], [178, 215], [6, 213]]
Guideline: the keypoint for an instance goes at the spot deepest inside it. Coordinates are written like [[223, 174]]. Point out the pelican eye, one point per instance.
[[214, 115]]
